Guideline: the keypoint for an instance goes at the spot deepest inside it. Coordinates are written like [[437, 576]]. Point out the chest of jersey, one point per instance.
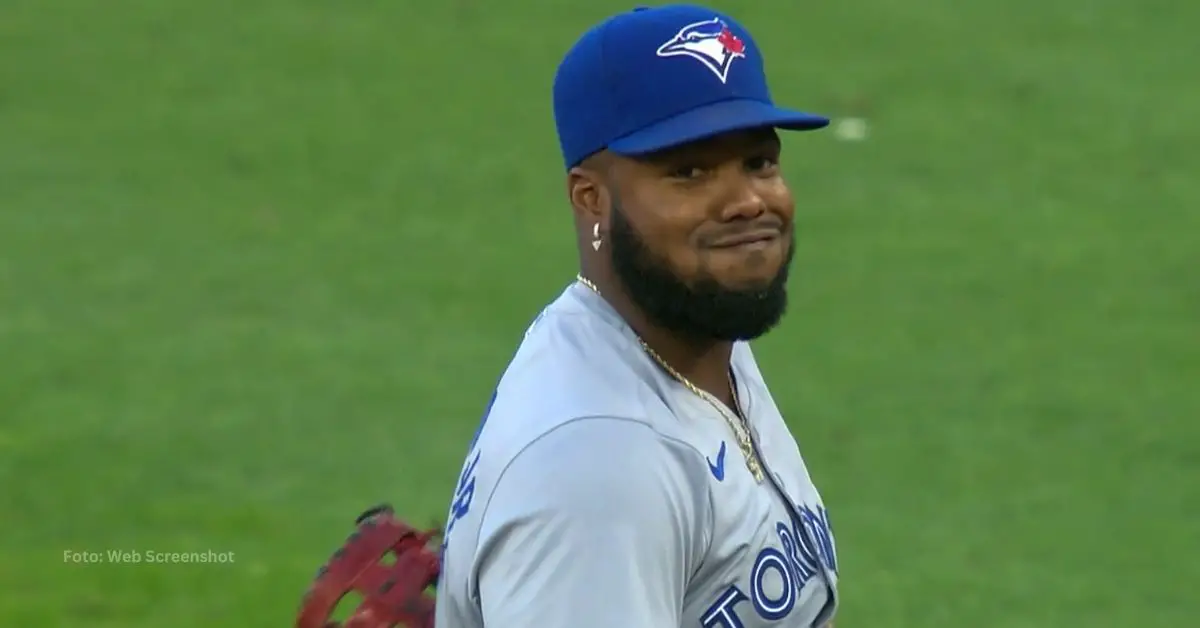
[[772, 558]]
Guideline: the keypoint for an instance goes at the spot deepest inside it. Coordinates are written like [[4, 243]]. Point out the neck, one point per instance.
[[704, 362]]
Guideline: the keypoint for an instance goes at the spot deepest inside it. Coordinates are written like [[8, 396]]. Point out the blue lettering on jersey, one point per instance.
[[462, 498], [817, 522], [487, 412], [721, 613], [779, 575], [464, 492]]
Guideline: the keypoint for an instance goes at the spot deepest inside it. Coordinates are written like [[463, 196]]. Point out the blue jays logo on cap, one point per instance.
[[710, 42], [633, 84]]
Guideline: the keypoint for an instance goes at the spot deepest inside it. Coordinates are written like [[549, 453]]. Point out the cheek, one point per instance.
[[668, 234], [673, 241], [779, 199]]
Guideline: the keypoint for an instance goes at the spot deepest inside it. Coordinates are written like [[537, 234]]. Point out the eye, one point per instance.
[[766, 164], [686, 173]]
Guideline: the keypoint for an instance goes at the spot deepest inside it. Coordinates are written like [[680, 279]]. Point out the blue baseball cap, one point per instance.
[[653, 78]]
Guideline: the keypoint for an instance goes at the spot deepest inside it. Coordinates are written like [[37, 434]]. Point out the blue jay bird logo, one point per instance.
[[710, 42]]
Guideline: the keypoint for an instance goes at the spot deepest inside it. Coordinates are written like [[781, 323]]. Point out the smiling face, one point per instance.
[[701, 236]]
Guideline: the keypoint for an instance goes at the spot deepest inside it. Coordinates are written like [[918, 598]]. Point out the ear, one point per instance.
[[589, 197]]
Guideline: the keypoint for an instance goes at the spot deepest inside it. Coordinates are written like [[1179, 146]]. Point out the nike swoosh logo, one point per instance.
[[718, 469]]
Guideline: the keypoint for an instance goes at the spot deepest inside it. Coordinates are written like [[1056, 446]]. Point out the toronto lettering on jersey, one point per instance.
[[801, 555]]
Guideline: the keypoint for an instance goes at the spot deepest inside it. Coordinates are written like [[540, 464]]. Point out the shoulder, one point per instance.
[[603, 462], [574, 363], [573, 514], [609, 473]]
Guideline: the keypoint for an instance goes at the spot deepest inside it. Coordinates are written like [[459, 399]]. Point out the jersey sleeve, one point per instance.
[[599, 523]]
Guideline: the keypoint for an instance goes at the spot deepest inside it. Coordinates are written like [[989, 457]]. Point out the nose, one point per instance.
[[744, 201]]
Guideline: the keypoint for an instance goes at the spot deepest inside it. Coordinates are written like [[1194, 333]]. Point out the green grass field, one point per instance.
[[262, 261]]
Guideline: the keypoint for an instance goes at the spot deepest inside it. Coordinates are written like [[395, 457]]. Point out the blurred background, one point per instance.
[[261, 262]]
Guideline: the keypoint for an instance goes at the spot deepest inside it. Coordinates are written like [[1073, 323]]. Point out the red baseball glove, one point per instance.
[[394, 593]]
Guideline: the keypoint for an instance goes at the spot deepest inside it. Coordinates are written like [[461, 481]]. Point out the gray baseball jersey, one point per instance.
[[600, 492]]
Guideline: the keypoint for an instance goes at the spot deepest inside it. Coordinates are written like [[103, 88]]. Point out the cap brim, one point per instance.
[[710, 120]]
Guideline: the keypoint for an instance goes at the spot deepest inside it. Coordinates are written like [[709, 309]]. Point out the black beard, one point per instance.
[[700, 310]]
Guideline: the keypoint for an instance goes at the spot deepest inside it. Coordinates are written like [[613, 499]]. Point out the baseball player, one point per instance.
[[632, 468]]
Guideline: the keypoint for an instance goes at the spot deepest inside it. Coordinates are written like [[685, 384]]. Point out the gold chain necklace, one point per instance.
[[741, 430]]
